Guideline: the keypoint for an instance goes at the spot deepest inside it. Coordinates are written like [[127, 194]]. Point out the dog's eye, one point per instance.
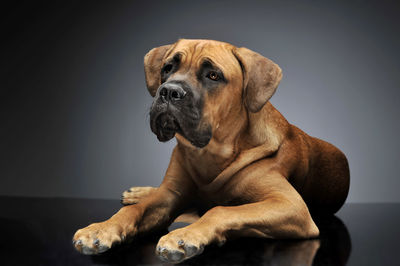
[[167, 68], [213, 75]]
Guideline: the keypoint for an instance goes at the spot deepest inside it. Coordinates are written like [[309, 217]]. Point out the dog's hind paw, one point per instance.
[[135, 194]]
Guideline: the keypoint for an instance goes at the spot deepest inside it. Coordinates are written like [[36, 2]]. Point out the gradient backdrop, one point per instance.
[[74, 107]]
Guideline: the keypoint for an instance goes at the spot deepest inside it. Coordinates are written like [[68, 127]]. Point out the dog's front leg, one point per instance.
[[156, 211], [281, 214]]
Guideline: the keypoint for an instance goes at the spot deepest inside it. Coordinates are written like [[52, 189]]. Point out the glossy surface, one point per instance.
[[39, 232]]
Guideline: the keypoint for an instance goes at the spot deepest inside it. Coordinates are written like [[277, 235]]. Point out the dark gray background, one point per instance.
[[74, 107]]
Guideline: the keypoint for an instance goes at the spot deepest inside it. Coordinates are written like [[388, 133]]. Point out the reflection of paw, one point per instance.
[[97, 238], [179, 245], [135, 194]]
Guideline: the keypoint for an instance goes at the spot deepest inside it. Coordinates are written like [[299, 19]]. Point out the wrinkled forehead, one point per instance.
[[193, 53]]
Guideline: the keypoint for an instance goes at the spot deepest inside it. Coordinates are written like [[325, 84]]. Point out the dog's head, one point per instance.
[[198, 84]]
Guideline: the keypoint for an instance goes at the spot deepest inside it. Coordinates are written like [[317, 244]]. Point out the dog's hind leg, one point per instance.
[[135, 194]]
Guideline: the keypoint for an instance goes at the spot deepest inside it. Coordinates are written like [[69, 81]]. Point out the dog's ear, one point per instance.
[[261, 78], [152, 67]]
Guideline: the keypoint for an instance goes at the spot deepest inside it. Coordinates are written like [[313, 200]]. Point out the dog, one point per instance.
[[239, 168]]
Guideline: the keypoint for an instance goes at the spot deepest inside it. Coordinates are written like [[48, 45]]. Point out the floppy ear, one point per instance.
[[152, 67], [261, 78]]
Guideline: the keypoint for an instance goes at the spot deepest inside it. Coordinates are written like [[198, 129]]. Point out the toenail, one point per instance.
[[163, 251], [176, 256], [102, 248], [221, 243]]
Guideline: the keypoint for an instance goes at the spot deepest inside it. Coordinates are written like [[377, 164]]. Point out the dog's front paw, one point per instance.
[[98, 237], [135, 194], [180, 244]]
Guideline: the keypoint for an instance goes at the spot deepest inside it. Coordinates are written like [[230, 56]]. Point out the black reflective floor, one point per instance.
[[39, 232]]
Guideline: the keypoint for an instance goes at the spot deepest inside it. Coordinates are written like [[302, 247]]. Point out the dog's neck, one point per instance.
[[266, 127], [238, 137], [221, 150]]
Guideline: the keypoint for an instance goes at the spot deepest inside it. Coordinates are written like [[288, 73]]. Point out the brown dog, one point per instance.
[[238, 161]]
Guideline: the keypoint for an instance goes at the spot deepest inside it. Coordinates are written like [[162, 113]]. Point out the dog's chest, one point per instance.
[[206, 164], [208, 199]]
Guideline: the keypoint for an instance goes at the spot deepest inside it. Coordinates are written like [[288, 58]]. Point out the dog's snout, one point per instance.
[[172, 92]]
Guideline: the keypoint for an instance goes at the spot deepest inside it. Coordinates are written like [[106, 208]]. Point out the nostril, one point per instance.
[[164, 92], [175, 95], [171, 92]]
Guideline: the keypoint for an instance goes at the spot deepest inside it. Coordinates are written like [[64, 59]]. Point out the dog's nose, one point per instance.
[[172, 92]]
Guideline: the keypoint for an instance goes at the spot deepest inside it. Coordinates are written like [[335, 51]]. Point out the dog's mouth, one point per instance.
[[165, 127]]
